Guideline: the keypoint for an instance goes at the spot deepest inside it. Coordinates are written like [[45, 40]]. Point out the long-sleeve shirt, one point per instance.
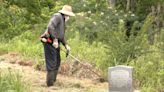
[[56, 27]]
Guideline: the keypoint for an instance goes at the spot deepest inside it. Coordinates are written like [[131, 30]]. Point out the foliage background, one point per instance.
[[97, 34]]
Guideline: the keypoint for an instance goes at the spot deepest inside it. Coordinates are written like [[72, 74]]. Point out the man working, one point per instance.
[[52, 37]]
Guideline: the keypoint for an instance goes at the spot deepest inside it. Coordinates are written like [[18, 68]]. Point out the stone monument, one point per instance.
[[120, 79]]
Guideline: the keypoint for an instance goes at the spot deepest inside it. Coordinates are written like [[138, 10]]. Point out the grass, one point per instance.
[[11, 81], [30, 47], [148, 67], [96, 90]]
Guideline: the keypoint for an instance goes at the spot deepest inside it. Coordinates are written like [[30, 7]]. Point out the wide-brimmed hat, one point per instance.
[[67, 10]]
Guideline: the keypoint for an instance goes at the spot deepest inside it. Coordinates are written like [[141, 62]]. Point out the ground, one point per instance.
[[64, 83]]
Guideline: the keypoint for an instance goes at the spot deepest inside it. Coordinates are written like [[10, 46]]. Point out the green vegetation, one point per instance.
[[11, 81], [97, 34]]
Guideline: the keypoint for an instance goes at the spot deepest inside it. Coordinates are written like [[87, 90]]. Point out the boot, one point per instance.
[[55, 74], [50, 78]]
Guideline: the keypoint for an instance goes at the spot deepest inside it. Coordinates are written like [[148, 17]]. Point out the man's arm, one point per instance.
[[51, 27], [63, 41], [66, 46], [54, 21], [44, 34]]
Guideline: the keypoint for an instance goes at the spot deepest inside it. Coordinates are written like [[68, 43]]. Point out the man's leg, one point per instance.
[[57, 65], [55, 75], [50, 78], [51, 62]]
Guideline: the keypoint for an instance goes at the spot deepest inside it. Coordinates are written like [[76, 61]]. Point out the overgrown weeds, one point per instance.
[[12, 81]]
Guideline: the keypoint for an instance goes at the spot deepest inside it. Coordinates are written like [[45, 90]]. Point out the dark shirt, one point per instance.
[[56, 27]]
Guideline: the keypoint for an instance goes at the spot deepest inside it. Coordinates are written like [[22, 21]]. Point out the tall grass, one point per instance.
[[30, 47], [89, 52], [11, 81], [149, 72]]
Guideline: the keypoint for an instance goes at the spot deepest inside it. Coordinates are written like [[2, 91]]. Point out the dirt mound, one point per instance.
[[68, 68], [16, 58], [79, 70]]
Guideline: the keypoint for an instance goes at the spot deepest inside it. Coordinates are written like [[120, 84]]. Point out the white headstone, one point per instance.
[[120, 79]]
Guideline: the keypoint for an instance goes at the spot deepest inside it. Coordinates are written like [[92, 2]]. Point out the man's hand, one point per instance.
[[67, 47], [68, 50], [55, 43], [43, 40]]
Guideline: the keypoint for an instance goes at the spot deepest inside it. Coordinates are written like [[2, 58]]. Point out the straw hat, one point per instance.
[[67, 10]]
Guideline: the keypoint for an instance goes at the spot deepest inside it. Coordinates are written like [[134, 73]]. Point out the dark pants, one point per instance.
[[52, 57]]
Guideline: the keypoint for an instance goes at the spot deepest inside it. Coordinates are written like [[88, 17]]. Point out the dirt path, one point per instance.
[[64, 83]]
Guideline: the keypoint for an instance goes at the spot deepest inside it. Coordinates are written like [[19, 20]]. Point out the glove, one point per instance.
[[67, 53], [55, 43], [68, 50], [44, 40]]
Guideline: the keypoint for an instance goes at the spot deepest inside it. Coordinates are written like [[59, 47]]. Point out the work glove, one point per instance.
[[44, 40], [43, 37], [55, 43], [67, 50]]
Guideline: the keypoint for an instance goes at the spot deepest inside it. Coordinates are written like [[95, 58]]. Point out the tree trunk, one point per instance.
[[159, 20], [112, 3], [151, 29], [130, 5], [157, 23]]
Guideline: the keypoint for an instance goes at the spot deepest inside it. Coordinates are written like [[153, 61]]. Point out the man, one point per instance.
[[53, 36]]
